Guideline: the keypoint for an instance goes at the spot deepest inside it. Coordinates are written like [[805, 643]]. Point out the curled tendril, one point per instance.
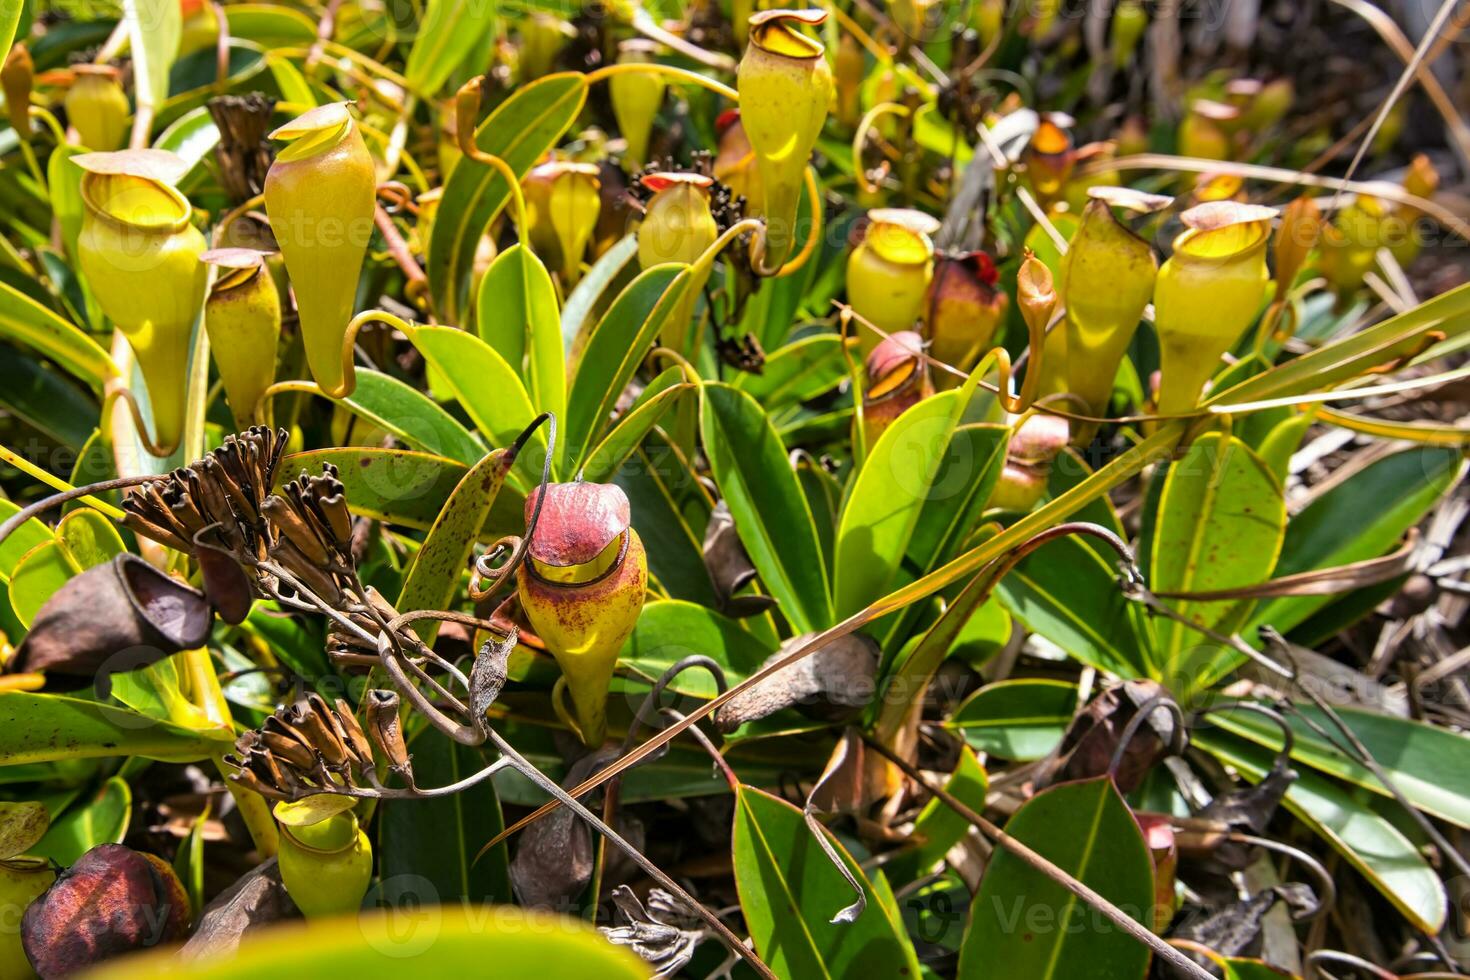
[[487, 576], [1159, 702]]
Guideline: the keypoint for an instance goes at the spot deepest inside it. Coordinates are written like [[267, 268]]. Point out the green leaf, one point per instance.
[[443, 863], [1350, 356], [440, 563], [154, 691], [1023, 924], [94, 464], [64, 181], [89, 538], [155, 28], [66, 286], [1428, 763], [966, 478], [633, 425], [47, 727], [516, 313], [824, 497], [519, 131], [193, 137], [670, 630], [670, 513], [412, 417], [888, 497], [270, 25], [293, 85], [1068, 471], [938, 827], [1282, 441], [1370, 843], [934, 132], [1021, 719], [804, 426], [46, 399], [972, 466], [489, 389], [1068, 592], [447, 940], [984, 635], [1220, 522], [37, 576], [189, 861], [10, 11], [618, 264], [771, 514], [21, 540], [953, 631], [615, 348], [103, 819], [392, 485], [27, 322], [789, 892], [798, 372], [1362, 517], [448, 32], [21, 826]]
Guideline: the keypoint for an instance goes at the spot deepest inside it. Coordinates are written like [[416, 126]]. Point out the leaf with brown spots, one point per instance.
[[1221, 519], [434, 577]]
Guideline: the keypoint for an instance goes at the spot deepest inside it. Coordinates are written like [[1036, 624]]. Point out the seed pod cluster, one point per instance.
[[313, 532], [222, 492], [304, 749], [212, 509], [221, 510]]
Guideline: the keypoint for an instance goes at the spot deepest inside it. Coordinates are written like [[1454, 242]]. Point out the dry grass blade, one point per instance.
[[1282, 175], [1412, 68], [1419, 65], [1323, 581], [1424, 433]]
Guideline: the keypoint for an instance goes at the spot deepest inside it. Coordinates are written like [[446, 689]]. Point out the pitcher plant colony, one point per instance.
[[885, 488]]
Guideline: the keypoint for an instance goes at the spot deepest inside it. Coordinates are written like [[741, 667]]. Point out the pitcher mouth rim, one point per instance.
[[102, 213], [1259, 233], [764, 21], [613, 568]]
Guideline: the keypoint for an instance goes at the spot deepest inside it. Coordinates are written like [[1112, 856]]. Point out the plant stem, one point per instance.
[[657, 874], [1047, 869], [254, 810], [29, 154], [681, 74]]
